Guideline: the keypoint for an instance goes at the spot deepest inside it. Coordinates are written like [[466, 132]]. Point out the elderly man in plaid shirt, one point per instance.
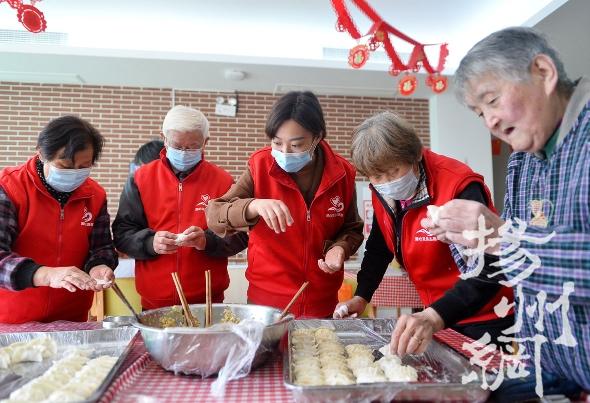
[[517, 84]]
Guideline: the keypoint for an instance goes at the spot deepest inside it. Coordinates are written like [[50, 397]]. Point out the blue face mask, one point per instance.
[[292, 162], [133, 167], [183, 160], [400, 189], [66, 180]]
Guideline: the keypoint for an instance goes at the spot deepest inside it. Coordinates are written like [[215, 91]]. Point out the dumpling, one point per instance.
[[5, 359], [355, 349], [395, 371], [433, 213], [63, 396], [26, 353], [370, 374]]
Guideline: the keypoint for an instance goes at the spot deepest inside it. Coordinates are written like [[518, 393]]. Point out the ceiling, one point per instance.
[[280, 45]]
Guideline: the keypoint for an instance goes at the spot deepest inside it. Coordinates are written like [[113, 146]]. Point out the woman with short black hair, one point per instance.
[[56, 247], [305, 194]]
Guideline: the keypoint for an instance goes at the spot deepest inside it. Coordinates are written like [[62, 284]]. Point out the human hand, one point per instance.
[[351, 308], [275, 213], [103, 277], [193, 236], [333, 261], [68, 277], [165, 243], [457, 216], [413, 333]]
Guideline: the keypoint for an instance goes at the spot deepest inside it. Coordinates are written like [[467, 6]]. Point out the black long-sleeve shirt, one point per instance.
[[461, 301], [134, 237]]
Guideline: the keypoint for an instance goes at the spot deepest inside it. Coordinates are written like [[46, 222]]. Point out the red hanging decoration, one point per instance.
[[358, 56], [29, 15], [394, 71], [32, 18], [379, 33], [439, 84], [407, 85]]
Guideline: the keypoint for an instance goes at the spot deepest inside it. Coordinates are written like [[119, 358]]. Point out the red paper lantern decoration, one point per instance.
[[32, 19], [437, 83], [358, 56], [407, 85], [28, 15], [440, 84]]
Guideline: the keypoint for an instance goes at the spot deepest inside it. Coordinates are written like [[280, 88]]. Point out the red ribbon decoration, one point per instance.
[[380, 31], [29, 15]]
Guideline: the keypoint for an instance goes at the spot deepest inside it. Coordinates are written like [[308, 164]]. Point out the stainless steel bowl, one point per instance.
[[202, 351], [111, 322]]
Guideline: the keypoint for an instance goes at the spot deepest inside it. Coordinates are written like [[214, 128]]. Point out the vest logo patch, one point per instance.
[[337, 207], [86, 219], [423, 235], [202, 205]]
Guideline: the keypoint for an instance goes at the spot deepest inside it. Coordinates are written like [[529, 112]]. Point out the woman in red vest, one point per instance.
[[55, 240], [406, 178], [305, 194]]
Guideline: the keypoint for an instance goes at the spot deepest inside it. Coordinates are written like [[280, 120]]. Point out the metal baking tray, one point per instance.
[[440, 369], [114, 342]]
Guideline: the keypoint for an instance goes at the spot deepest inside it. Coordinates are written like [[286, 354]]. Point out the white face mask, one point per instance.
[[400, 189]]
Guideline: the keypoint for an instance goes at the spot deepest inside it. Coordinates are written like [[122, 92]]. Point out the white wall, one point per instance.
[[455, 131]]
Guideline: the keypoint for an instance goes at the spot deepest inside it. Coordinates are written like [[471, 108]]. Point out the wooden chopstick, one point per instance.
[[301, 289], [188, 315], [208, 308], [120, 294]]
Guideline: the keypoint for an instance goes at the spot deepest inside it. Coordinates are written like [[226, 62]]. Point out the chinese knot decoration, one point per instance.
[[379, 35], [28, 15]]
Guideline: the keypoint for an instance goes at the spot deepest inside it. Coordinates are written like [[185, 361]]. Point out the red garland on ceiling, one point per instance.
[[29, 15], [379, 35]]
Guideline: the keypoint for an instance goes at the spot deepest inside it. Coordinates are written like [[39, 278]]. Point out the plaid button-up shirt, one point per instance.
[[101, 251], [552, 196]]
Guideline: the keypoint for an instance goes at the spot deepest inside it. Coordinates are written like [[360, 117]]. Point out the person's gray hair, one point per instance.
[[508, 54], [383, 141], [184, 119]]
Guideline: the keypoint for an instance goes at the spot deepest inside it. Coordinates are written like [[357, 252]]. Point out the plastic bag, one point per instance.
[[241, 355]]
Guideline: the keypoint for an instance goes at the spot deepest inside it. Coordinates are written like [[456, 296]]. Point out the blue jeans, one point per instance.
[[522, 389]]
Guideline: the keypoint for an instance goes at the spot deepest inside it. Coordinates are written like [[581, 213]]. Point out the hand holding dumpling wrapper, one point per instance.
[[433, 213]]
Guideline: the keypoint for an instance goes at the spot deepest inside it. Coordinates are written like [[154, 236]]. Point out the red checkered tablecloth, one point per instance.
[[146, 381], [142, 380], [457, 340], [394, 291]]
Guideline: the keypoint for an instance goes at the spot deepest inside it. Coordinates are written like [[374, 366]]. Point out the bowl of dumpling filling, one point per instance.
[[238, 334]]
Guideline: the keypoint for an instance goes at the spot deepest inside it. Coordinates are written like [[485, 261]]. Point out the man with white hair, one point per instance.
[[515, 81], [161, 218]]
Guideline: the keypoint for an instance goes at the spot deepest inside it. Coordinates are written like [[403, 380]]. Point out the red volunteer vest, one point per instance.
[[51, 237], [429, 262], [171, 205], [278, 264]]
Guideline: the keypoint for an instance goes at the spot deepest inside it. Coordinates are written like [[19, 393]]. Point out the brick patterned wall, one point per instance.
[[128, 117]]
